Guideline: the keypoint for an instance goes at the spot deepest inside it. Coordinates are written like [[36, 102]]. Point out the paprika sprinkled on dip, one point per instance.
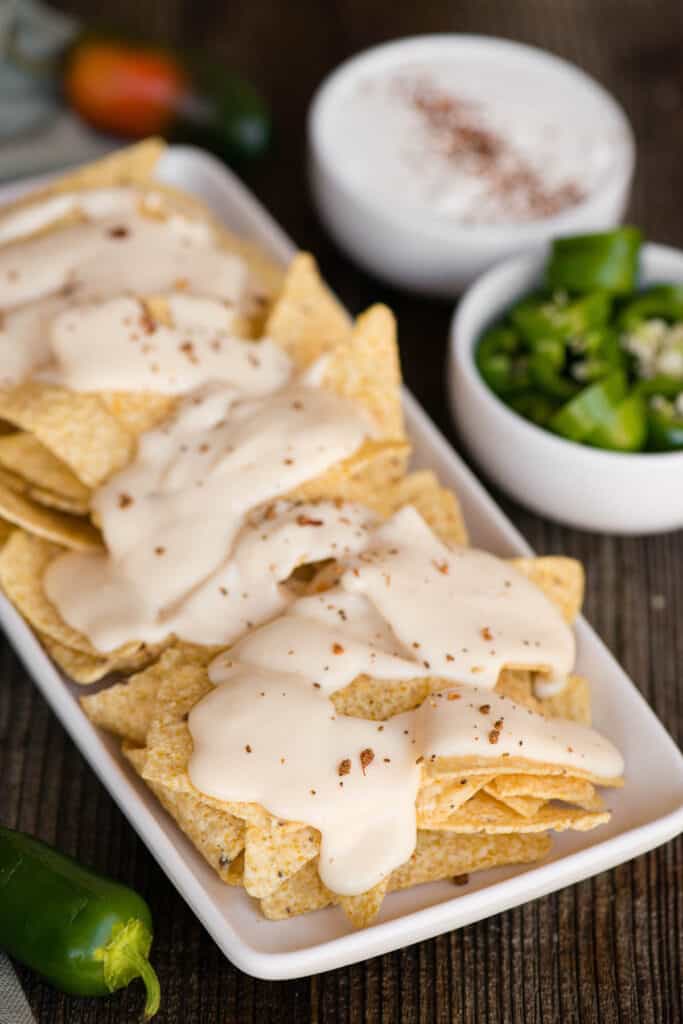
[[433, 157], [464, 149]]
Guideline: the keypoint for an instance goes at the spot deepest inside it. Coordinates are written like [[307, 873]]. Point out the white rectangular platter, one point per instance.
[[647, 812]]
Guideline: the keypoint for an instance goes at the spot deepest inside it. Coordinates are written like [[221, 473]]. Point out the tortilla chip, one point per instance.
[[367, 371], [168, 756], [183, 680], [126, 709], [483, 813], [266, 276], [561, 579], [217, 835], [573, 702], [517, 684], [23, 561], [13, 481], [299, 895], [365, 473], [307, 320], [182, 684], [139, 411], [361, 910], [134, 755], [527, 806], [87, 668], [382, 472], [440, 855], [49, 499], [378, 700], [58, 527], [438, 798], [437, 856], [438, 506], [547, 787], [273, 854], [80, 667], [463, 767], [6, 531], [76, 428], [23, 454]]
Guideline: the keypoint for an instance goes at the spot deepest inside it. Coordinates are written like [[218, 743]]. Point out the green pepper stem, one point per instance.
[[125, 957]]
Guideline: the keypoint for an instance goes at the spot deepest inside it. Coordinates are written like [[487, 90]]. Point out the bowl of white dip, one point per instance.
[[434, 157]]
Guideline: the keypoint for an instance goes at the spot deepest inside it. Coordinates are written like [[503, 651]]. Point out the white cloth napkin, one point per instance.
[[14, 1008]]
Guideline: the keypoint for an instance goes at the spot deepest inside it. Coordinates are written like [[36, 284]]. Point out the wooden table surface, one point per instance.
[[607, 950]]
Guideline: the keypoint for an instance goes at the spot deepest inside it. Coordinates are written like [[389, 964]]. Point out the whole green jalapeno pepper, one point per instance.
[[85, 934]]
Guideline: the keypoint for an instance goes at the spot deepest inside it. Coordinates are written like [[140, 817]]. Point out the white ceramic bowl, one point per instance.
[[613, 492], [438, 255]]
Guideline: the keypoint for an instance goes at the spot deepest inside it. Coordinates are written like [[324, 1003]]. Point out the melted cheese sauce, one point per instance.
[[107, 248], [403, 604], [179, 555], [465, 613], [175, 561], [274, 739], [269, 732], [116, 345], [468, 721]]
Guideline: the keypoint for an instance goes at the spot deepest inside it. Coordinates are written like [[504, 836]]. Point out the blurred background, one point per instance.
[[283, 51], [633, 47]]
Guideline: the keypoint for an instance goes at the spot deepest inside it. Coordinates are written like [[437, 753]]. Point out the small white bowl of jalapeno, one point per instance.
[[566, 381]]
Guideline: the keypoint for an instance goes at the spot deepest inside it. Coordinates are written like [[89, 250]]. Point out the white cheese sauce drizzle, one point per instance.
[[269, 732], [117, 345], [176, 561], [57, 290]]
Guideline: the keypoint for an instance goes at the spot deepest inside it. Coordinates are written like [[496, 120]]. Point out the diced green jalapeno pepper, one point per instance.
[[546, 366], [624, 428], [583, 414], [664, 426], [550, 381], [537, 317], [575, 359], [534, 407], [586, 263], [500, 361], [599, 353], [669, 387], [663, 301], [499, 339]]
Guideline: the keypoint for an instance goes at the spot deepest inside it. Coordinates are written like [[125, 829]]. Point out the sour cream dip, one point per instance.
[[432, 157]]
